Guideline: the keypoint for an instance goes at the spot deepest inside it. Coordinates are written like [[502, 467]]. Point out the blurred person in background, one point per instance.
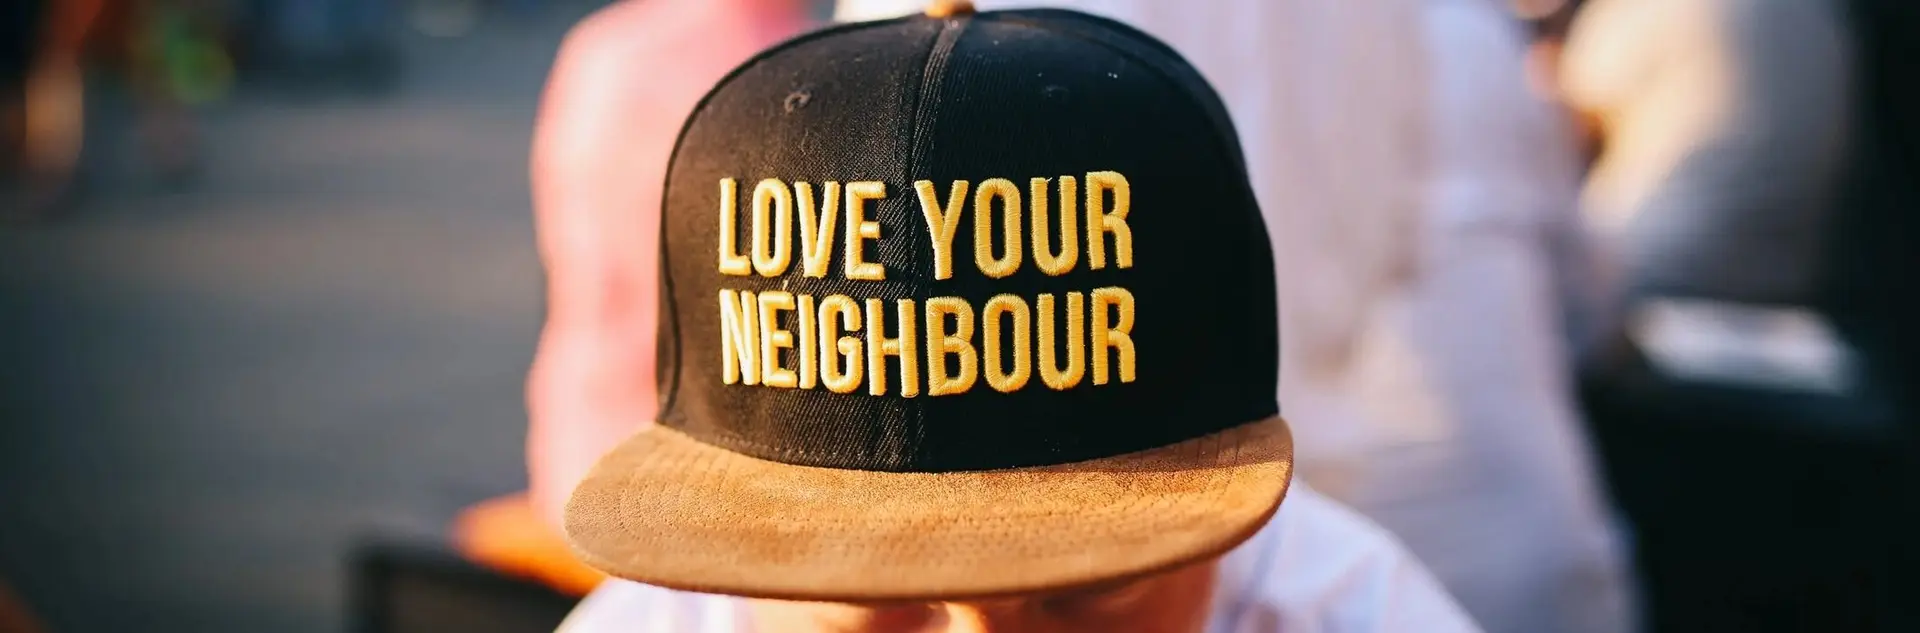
[[1419, 197], [1586, 282], [624, 82], [1724, 124], [1754, 189], [165, 52], [170, 56], [41, 51], [1549, 21]]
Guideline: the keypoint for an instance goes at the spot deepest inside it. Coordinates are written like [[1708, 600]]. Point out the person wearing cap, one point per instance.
[[967, 322]]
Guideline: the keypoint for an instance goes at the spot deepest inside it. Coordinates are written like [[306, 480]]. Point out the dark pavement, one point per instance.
[[207, 396]]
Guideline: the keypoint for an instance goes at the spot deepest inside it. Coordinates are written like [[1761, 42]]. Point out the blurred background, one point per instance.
[[222, 376], [268, 294]]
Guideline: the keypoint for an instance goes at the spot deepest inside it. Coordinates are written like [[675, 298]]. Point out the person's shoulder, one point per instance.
[[618, 606], [664, 47], [1322, 567], [638, 67], [630, 27], [614, 49]]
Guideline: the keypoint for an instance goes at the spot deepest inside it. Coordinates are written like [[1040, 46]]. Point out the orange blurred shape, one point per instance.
[[14, 616], [506, 535]]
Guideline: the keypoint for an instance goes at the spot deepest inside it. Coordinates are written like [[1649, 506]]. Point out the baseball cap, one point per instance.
[[953, 305]]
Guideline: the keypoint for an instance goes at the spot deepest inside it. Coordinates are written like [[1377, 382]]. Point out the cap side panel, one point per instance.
[[1026, 104]]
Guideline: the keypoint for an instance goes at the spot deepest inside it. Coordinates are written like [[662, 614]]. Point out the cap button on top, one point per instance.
[[949, 8]]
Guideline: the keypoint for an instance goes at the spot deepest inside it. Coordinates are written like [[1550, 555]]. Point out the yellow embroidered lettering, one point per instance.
[[859, 230], [837, 311], [1118, 336], [1009, 197], [905, 347], [772, 241], [773, 338], [1057, 377], [941, 344], [1100, 221], [739, 338], [1011, 380], [809, 353], [841, 342], [731, 261], [941, 222], [1043, 255], [816, 234]]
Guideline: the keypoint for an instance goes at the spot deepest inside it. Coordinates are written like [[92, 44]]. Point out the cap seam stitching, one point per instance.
[[932, 82]]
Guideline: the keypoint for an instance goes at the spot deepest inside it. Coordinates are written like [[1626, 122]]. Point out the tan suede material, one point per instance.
[[666, 510]]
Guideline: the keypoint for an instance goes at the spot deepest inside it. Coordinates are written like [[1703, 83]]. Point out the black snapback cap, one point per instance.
[[952, 306]]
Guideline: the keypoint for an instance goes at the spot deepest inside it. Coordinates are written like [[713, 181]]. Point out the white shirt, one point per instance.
[[1315, 568]]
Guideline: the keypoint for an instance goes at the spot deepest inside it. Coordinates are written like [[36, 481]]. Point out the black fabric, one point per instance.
[[1014, 95]]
